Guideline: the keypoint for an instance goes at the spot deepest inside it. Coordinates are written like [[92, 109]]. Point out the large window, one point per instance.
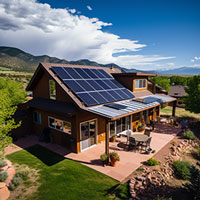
[[59, 125], [140, 83], [52, 89], [37, 117]]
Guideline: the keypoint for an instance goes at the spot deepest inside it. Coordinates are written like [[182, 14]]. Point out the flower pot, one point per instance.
[[113, 161], [140, 129], [105, 162]]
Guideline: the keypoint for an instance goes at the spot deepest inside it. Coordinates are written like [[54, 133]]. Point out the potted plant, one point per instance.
[[104, 158], [114, 157], [113, 138], [141, 126]]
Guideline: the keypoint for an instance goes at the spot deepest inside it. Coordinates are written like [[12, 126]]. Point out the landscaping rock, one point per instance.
[[11, 173], [9, 164], [2, 184], [4, 168], [4, 193]]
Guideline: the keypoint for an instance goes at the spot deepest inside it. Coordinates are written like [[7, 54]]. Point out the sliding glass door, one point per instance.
[[88, 134]]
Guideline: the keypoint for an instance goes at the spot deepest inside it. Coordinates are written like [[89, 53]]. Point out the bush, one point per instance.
[[22, 173], [11, 186], [182, 169], [189, 135], [140, 169], [3, 176], [198, 153], [104, 157], [152, 162], [2, 163], [193, 188], [153, 151], [16, 180]]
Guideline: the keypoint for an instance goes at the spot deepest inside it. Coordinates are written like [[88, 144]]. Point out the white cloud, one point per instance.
[[39, 29], [195, 59], [89, 8], [72, 10]]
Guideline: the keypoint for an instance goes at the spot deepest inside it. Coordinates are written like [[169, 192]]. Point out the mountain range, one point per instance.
[[18, 60]]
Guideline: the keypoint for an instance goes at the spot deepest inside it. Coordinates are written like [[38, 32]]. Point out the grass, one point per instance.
[[180, 112], [61, 178]]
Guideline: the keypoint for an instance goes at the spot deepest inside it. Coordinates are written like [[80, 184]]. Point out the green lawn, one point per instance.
[[61, 178]]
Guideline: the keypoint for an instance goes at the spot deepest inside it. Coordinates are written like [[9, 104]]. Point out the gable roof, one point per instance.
[[177, 91], [45, 67]]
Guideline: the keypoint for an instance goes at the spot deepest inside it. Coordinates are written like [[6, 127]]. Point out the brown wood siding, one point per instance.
[[42, 89], [59, 137], [126, 81]]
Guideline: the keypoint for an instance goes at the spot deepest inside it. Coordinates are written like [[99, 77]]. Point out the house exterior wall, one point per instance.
[[42, 89]]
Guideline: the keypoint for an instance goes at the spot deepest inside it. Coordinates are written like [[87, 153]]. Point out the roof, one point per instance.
[[177, 91], [132, 106], [51, 105], [135, 74]]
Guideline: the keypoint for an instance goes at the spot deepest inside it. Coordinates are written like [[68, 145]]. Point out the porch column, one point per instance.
[[174, 109], [107, 137]]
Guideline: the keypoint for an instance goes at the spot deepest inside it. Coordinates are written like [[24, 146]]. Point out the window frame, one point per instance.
[[61, 130], [51, 96], [142, 83], [38, 116]]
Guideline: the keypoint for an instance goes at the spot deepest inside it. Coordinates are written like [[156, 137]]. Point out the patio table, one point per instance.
[[140, 137]]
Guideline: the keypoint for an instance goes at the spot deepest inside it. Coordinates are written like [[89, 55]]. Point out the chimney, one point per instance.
[[112, 66]]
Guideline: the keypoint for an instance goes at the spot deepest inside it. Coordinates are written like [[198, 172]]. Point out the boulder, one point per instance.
[[2, 184], [4, 168], [11, 173], [9, 163], [4, 193]]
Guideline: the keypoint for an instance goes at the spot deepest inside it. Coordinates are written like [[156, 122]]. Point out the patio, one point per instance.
[[129, 160]]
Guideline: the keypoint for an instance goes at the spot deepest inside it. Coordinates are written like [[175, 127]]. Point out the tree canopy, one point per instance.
[[11, 94], [162, 81], [192, 100]]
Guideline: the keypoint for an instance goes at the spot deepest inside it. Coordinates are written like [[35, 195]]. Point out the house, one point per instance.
[[83, 106], [178, 92]]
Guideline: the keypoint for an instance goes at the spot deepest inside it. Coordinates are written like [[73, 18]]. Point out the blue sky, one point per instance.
[[142, 34]]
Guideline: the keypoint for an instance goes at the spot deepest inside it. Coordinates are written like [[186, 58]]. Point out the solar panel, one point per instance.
[[92, 86], [150, 100], [115, 106]]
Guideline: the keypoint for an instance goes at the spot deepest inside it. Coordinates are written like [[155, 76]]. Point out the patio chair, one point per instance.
[[146, 144], [147, 132], [128, 134], [132, 143]]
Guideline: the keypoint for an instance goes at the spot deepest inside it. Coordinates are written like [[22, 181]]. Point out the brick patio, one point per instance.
[[129, 160]]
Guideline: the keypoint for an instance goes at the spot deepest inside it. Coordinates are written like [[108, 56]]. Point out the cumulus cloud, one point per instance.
[[195, 59], [89, 8], [39, 29]]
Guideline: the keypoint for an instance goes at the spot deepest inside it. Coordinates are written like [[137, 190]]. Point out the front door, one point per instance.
[[88, 134]]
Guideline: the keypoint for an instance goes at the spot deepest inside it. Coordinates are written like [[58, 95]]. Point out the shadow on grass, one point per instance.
[[48, 157], [119, 191]]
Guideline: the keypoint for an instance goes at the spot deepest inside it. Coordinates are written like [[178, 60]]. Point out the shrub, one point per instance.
[[114, 155], [2, 163], [193, 188], [16, 180], [11, 186], [153, 151], [198, 153], [152, 162], [189, 135], [22, 173], [140, 169], [182, 169], [3, 176], [104, 157]]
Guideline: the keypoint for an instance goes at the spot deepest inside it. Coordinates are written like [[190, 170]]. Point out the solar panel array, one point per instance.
[[92, 86], [151, 100]]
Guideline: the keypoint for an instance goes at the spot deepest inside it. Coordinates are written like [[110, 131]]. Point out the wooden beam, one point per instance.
[[107, 137], [174, 109]]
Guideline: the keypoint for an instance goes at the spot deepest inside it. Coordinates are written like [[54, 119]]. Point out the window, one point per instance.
[[140, 83], [59, 125], [52, 89], [37, 117]]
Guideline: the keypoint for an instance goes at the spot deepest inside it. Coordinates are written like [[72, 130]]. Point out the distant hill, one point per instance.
[[181, 71], [18, 60]]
